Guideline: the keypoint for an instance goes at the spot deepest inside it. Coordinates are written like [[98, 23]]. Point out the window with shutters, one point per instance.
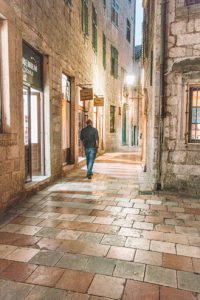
[[115, 12], [104, 51], [94, 28], [85, 16], [194, 115], [114, 62], [112, 118], [128, 30]]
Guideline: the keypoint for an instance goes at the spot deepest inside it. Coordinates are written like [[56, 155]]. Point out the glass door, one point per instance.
[[27, 134]]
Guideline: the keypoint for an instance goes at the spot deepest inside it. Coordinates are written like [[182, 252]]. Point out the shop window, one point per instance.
[[85, 16], [191, 2], [114, 62], [66, 119], [128, 30], [115, 12], [194, 123], [104, 51], [94, 28], [112, 118]]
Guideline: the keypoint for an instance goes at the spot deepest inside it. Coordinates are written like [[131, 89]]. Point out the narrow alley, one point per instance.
[[101, 239]]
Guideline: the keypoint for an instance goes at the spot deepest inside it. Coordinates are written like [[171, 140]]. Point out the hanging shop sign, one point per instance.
[[32, 63], [99, 101], [86, 94]]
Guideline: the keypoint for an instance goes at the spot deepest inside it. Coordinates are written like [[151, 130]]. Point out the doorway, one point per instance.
[[33, 128], [124, 125]]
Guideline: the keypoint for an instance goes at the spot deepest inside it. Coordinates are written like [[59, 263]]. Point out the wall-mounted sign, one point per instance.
[[86, 94], [32, 63], [99, 101]]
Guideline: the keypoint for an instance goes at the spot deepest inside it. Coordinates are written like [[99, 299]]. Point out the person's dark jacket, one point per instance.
[[89, 136]]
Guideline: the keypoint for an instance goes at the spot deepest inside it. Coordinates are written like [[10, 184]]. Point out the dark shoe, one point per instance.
[[89, 176]]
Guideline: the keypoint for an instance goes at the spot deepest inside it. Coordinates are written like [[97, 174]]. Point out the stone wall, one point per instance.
[[180, 166], [54, 28]]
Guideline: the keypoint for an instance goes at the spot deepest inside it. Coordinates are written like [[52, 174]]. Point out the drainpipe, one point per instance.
[[162, 111]]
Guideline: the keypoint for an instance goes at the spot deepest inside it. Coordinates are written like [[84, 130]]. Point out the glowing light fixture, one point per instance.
[[129, 79]]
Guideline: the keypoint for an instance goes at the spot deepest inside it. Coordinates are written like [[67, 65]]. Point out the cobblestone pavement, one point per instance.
[[99, 239]]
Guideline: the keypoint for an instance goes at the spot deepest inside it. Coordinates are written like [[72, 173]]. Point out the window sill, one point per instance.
[[8, 139], [193, 146]]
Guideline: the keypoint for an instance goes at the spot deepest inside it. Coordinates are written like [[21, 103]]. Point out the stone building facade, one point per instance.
[[172, 93], [49, 52]]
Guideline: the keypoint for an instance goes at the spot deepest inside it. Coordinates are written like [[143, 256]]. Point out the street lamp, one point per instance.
[[130, 79]]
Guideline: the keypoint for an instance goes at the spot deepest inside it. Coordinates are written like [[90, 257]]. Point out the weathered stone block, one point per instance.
[[13, 152]]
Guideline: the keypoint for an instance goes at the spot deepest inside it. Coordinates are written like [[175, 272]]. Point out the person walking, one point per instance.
[[90, 139]]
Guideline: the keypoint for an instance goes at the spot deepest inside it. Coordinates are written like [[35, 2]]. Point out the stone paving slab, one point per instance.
[[101, 240]]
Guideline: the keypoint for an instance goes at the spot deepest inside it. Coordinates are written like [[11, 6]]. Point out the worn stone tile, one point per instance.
[[129, 270], [77, 296], [22, 254], [187, 230], [129, 232], [75, 281], [177, 262], [16, 290], [98, 298], [143, 225], [196, 265], [50, 223], [163, 247], [140, 291], [113, 240], [17, 271], [121, 253], [194, 241], [48, 232], [5, 250], [68, 235], [48, 244], [47, 276], [122, 222], [161, 276], [188, 281], [176, 238], [46, 258], [171, 294], [106, 286], [67, 217], [165, 228], [32, 221], [91, 237], [88, 219], [148, 257], [29, 230], [4, 264], [10, 228], [153, 235], [46, 293], [138, 243], [95, 249], [103, 220], [72, 261], [100, 265], [188, 251]]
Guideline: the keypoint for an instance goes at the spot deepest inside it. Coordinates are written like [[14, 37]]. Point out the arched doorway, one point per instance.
[[124, 124]]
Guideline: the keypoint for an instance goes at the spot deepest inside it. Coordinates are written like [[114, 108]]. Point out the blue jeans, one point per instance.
[[90, 157]]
